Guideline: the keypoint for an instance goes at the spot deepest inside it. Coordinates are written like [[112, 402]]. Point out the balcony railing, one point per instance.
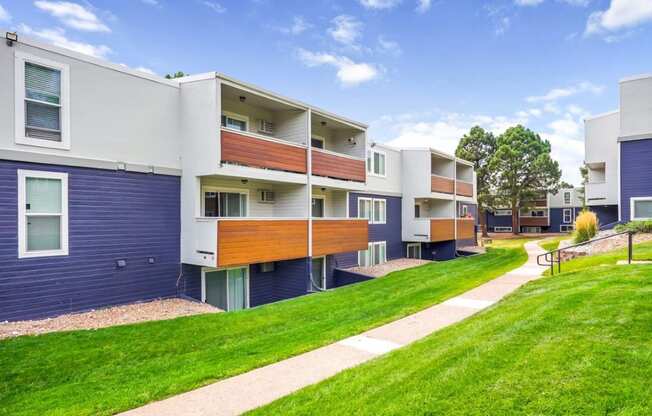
[[261, 152], [258, 240], [338, 235], [338, 166], [465, 228], [534, 221], [464, 188], [442, 229], [442, 184]]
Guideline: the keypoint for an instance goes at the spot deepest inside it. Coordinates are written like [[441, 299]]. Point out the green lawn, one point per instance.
[[114, 369], [574, 344], [641, 251], [552, 243]]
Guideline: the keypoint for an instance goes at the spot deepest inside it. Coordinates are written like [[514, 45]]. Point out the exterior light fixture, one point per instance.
[[11, 38], [323, 124], [242, 98], [244, 181]]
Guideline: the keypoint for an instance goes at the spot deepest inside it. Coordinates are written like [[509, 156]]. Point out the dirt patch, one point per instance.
[[101, 318], [388, 267]]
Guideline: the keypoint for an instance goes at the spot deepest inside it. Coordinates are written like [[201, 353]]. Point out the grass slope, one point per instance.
[[577, 343], [641, 251], [113, 369], [552, 243]]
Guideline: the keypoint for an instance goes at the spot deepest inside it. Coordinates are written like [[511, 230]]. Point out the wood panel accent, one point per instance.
[[261, 153], [534, 221], [465, 229], [541, 203], [339, 236], [441, 184], [339, 167], [464, 188], [442, 229], [256, 241]]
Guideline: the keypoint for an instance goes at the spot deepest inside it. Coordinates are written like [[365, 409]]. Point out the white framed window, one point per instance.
[[318, 273], [464, 210], [226, 288], [376, 162], [641, 208], [42, 107], [566, 228], [364, 208], [317, 142], [318, 206], [221, 202], [567, 197], [503, 213], [417, 210], [535, 213], [414, 250], [380, 211], [567, 215], [42, 213], [235, 121], [500, 229], [376, 253]]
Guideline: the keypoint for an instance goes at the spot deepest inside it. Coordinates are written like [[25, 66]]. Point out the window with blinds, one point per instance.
[[42, 102]]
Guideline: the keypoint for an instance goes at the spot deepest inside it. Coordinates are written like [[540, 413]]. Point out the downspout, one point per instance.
[[309, 193]]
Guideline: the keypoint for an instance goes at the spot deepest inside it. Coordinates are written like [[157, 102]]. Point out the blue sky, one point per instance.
[[418, 72]]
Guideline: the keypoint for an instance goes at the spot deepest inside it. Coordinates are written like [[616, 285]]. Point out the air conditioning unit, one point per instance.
[[267, 196], [265, 126]]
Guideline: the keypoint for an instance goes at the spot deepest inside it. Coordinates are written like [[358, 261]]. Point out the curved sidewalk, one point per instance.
[[261, 386]]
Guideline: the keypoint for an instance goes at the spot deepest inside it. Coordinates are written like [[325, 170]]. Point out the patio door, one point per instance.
[[227, 289], [318, 275]]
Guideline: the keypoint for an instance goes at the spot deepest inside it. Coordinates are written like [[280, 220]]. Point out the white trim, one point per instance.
[[323, 272], [22, 176], [370, 167], [219, 189], [205, 270], [369, 251], [371, 208], [633, 200], [373, 211], [568, 228], [620, 210], [568, 211], [502, 214], [318, 138], [570, 198], [348, 215], [463, 211], [323, 207], [20, 59], [235, 116], [407, 253], [502, 229]]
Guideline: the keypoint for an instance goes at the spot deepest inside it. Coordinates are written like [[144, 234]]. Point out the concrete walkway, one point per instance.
[[258, 387]]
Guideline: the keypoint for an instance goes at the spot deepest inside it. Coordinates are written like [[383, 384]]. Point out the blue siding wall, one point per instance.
[[391, 231], [444, 250], [190, 283], [557, 218], [288, 280], [635, 173], [112, 215], [607, 214], [498, 221], [343, 278]]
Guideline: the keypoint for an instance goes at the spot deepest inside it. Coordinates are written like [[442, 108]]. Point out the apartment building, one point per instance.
[[549, 213], [120, 186], [618, 152]]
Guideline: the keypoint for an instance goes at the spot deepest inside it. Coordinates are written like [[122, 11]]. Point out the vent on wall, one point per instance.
[[267, 196], [265, 126]]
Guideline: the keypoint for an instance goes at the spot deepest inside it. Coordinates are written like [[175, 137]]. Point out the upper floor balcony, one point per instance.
[[435, 220], [534, 217], [338, 149], [449, 176]]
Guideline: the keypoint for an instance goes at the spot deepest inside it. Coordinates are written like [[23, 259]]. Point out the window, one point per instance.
[[318, 207], [414, 250], [317, 142], [364, 208], [567, 197], [464, 211], [503, 229], [219, 203], [503, 213], [380, 211], [42, 213], [535, 213], [376, 163], [267, 267], [234, 121], [417, 211], [227, 289], [42, 102], [568, 215], [566, 228], [318, 273], [376, 253], [641, 208]]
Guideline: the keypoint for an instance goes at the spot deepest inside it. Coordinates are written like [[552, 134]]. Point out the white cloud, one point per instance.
[[150, 2], [621, 14], [558, 93], [345, 30], [57, 37], [528, 2], [423, 5], [379, 4], [389, 47], [299, 25], [566, 136], [214, 6], [145, 70], [4, 14], [349, 73], [73, 15], [498, 16]]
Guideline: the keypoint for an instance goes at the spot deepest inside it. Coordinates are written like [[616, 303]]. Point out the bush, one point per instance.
[[586, 226], [635, 226]]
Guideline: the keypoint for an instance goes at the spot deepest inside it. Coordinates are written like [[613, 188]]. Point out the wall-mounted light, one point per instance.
[[323, 124], [244, 181], [243, 98], [323, 189], [11, 38], [373, 144]]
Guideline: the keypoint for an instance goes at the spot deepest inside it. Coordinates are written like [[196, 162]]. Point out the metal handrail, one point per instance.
[[549, 257]]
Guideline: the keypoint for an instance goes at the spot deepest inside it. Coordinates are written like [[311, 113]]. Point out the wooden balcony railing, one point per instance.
[[246, 241], [464, 188], [541, 203], [331, 165], [330, 236], [442, 229], [465, 228], [534, 221], [442, 184], [245, 149]]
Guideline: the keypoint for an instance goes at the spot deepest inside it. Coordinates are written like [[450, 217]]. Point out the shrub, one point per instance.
[[586, 226], [635, 226]]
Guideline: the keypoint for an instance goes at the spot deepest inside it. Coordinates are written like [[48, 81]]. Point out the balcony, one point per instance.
[[442, 184], [465, 228], [338, 235], [464, 189], [597, 193], [534, 221], [541, 203], [257, 151], [338, 166], [442, 229]]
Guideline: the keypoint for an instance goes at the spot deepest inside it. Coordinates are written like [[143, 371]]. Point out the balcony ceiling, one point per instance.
[[232, 93], [331, 123]]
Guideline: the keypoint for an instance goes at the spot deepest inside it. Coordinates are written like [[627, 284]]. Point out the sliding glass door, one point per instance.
[[227, 289]]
